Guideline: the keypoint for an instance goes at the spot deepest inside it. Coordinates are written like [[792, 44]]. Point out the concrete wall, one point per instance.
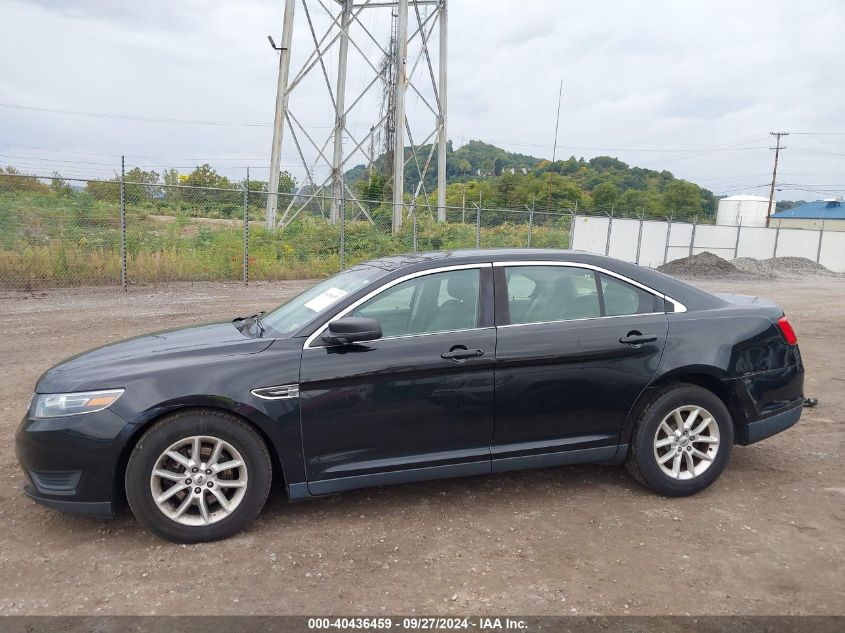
[[808, 223], [653, 243]]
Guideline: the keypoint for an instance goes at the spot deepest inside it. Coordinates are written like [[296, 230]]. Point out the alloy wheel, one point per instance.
[[199, 480], [686, 442]]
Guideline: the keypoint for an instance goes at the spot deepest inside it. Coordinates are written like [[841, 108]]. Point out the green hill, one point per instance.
[[508, 179]]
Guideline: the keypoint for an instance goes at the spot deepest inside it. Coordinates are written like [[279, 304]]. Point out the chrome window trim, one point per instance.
[[598, 318], [387, 286], [678, 306], [469, 329]]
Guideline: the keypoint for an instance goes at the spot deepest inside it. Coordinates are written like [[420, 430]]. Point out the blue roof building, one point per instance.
[[829, 212]]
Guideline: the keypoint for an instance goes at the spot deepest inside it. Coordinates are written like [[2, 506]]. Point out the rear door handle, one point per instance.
[[462, 353], [636, 338]]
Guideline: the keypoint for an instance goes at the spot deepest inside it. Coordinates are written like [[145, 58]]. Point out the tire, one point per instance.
[[227, 488], [690, 462]]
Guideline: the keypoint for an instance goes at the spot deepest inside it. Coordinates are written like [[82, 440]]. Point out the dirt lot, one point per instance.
[[766, 539]]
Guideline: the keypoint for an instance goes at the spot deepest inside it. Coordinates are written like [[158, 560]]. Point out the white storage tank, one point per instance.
[[743, 210]]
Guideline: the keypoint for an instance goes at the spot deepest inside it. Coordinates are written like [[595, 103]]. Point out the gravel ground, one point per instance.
[[767, 538]]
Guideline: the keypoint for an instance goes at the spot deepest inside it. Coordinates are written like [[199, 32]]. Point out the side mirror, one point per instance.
[[352, 330]]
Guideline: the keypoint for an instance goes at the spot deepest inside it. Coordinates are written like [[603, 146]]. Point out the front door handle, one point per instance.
[[461, 353], [637, 338]]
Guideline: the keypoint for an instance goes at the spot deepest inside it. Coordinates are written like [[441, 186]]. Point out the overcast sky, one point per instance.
[[642, 81]]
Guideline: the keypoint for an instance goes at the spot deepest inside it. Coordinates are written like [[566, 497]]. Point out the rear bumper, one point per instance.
[[766, 403], [772, 425]]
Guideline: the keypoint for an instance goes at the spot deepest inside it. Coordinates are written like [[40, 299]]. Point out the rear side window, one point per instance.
[[542, 294], [621, 298], [538, 294]]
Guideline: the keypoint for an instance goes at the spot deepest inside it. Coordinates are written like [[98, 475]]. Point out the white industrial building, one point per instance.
[[742, 210]]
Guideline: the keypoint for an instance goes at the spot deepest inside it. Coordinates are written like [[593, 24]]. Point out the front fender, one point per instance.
[[276, 420], [226, 384]]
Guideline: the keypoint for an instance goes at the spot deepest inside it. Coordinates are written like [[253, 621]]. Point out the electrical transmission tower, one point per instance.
[[400, 47]]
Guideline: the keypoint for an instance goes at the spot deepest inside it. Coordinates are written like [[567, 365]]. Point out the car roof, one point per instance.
[[693, 298], [466, 256]]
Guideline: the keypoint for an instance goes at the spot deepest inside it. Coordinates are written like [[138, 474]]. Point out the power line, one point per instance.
[[829, 192], [55, 160], [126, 117], [146, 119], [733, 146], [819, 152], [743, 188]]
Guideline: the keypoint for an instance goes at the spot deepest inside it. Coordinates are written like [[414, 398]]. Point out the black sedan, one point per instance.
[[411, 368]]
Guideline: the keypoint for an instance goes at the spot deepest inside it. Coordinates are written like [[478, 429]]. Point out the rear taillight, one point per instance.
[[787, 331]]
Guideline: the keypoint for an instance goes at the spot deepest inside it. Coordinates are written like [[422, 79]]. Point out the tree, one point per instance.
[[682, 199], [16, 181], [646, 202], [60, 186], [170, 177], [371, 192], [104, 190], [206, 176], [141, 185], [605, 195], [463, 167], [287, 183]]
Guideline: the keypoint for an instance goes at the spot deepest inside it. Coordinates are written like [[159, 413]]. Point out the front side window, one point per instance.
[[439, 302], [537, 294]]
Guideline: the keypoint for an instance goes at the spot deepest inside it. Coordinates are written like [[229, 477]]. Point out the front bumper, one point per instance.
[[71, 463], [102, 509]]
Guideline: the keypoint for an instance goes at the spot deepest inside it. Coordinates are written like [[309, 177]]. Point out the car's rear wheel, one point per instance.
[[198, 475], [682, 442]]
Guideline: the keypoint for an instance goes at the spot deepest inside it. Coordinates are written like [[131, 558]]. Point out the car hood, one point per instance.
[[106, 366]]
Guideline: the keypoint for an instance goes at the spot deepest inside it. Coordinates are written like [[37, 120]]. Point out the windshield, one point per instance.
[[303, 308]]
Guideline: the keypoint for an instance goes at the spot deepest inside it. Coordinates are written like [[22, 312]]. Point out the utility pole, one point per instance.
[[777, 149], [281, 113], [554, 148], [399, 105]]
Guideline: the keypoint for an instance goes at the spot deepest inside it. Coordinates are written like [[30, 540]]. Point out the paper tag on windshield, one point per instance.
[[325, 299]]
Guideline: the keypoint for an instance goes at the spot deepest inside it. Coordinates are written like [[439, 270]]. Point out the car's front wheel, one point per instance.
[[682, 442], [198, 475]]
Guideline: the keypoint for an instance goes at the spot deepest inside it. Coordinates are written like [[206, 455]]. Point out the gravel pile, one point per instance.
[[780, 267], [796, 266], [704, 264], [754, 267], [707, 264]]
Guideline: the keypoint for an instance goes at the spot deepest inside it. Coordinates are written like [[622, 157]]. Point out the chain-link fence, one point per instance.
[[67, 231]]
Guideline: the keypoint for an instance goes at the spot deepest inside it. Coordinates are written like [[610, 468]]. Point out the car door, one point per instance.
[[575, 349], [416, 403]]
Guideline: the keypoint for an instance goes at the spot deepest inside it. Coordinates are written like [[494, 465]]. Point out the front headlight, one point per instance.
[[55, 405]]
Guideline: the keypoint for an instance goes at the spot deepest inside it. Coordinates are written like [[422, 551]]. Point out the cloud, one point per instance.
[[637, 77]]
